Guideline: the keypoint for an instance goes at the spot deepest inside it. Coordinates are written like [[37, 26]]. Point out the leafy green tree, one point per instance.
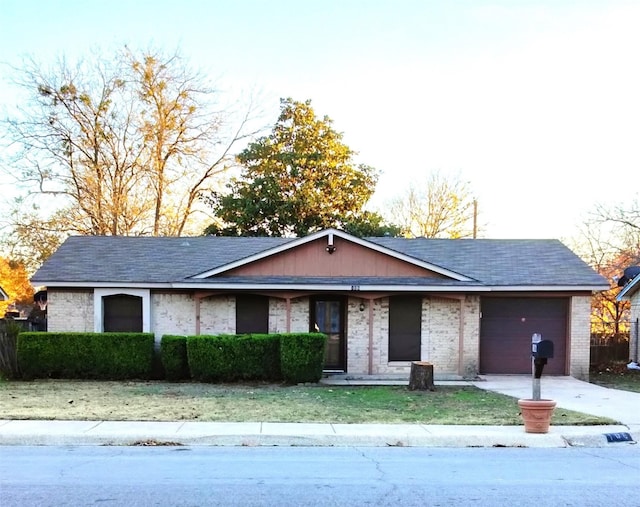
[[371, 224], [299, 179]]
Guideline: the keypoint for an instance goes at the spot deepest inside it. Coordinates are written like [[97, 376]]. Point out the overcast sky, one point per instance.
[[535, 103]]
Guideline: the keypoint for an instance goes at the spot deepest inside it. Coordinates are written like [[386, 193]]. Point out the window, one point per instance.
[[252, 314], [122, 313], [104, 308], [405, 322]]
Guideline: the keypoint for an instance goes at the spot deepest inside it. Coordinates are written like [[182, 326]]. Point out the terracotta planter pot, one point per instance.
[[536, 414]]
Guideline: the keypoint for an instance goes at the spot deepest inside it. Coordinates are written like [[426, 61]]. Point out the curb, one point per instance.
[[120, 433]]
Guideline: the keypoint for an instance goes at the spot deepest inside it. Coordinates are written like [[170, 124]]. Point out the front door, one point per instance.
[[327, 316]]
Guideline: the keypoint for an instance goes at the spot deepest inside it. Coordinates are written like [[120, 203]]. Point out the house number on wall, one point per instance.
[[355, 287]]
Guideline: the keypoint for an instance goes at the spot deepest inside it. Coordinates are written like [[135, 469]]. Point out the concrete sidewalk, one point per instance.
[[569, 393], [295, 434]]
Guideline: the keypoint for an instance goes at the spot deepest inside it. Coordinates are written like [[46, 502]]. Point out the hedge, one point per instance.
[[111, 356], [228, 358], [173, 355], [302, 357]]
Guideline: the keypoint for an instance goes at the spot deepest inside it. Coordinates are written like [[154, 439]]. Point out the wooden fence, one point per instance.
[[609, 348]]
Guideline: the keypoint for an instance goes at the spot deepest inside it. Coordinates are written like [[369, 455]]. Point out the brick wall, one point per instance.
[[217, 315], [172, 314], [471, 329], [580, 337], [357, 330], [440, 340], [633, 336], [70, 311], [300, 315], [277, 315]]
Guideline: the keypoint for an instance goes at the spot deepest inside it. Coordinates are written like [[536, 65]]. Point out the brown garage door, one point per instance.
[[506, 327]]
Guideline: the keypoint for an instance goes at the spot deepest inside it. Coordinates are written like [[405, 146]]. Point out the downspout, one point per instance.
[[288, 306], [635, 344], [198, 299], [461, 340], [370, 337]]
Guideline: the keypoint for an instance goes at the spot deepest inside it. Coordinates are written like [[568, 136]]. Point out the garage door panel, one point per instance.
[[506, 328]]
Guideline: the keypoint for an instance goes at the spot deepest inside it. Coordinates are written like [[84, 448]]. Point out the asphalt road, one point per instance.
[[288, 476]]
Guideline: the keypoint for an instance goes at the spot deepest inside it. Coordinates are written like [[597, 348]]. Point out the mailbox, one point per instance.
[[541, 350]]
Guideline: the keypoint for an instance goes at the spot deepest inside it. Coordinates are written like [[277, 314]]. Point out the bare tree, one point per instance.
[[125, 146], [436, 207], [186, 145], [599, 248]]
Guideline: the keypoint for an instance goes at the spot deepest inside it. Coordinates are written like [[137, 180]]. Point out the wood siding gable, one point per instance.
[[348, 259]]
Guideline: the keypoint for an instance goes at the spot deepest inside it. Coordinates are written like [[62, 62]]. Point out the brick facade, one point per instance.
[[450, 327], [70, 311], [635, 327], [580, 337]]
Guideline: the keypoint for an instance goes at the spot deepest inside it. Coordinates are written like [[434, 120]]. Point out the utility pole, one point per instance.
[[475, 218]]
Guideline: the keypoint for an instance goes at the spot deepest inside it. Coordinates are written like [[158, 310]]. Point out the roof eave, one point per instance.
[[325, 287], [548, 288], [629, 290], [330, 233]]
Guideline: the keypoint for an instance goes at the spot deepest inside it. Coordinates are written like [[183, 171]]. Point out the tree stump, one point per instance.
[[421, 377]]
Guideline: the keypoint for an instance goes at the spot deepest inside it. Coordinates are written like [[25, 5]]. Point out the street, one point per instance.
[[283, 476]]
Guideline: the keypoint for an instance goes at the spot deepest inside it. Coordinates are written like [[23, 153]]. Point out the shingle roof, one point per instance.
[[501, 261], [146, 260]]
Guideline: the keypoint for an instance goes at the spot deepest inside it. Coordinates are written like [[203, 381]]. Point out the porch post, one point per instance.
[[198, 299], [461, 339], [370, 336], [288, 305]]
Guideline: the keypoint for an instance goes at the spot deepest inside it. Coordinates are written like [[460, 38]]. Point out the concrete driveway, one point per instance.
[[571, 394]]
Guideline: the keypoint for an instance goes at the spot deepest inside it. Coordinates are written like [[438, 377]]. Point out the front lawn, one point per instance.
[[164, 401], [616, 376]]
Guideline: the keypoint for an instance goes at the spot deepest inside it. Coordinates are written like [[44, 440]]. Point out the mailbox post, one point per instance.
[[541, 350], [537, 412]]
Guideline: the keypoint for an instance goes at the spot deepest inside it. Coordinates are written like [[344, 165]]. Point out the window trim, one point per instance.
[[98, 306]]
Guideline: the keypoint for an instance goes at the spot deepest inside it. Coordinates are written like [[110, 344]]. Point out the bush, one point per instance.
[[234, 357], [173, 354], [302, 357], [209, 359], [9, 331], [262, 358], [111, 356]]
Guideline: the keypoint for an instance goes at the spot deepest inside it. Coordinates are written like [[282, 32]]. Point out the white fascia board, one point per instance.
[[548, 288], [628, 290], [326, 287], [329, 233], [106, 285]]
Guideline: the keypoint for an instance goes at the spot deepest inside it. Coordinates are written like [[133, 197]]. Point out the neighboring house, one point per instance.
[[3, 295], [631, 293], [468, 306]]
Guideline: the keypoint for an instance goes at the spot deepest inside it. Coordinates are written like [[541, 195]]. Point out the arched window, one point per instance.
[[122, 310], [122, 313]]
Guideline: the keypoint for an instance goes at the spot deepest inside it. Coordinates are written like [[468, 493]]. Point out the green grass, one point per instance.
[[84, 400], [616, 376]]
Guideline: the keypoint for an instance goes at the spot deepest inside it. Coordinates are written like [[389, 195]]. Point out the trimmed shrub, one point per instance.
[[111, 356], [210, 358], [173, 354], [228, 358], [302, 357], [262, 357]]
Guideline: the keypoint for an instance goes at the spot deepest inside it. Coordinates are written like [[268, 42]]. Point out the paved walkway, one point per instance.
[[568, 392]]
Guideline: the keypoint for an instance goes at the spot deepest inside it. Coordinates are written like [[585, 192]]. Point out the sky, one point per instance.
[[535, 103]]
